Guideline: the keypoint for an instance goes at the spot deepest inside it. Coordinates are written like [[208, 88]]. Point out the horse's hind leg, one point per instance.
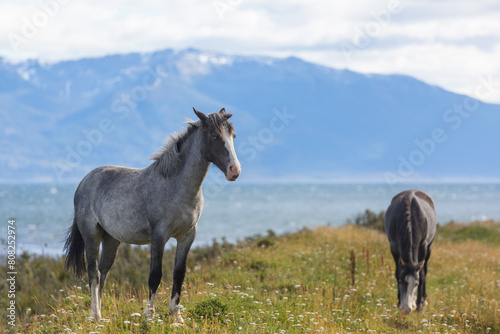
[[93, 234], [181, 253], [108, 255]]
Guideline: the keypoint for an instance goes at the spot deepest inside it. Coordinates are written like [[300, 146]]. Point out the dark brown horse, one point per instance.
[[410, 224]]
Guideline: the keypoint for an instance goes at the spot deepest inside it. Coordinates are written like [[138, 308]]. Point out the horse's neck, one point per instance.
[[194, 166], [188, 180], [190, 174]]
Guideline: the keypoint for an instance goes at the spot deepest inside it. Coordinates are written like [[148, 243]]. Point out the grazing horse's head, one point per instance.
[[218, 144], [408, 280]]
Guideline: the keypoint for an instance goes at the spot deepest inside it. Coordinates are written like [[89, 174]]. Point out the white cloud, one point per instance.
[[448, 43]]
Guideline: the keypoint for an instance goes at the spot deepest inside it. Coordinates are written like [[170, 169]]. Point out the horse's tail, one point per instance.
[[75, 249]]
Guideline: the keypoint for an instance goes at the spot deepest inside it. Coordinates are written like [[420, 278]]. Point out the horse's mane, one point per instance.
[[408, 243], [407, 207], [168, 158]]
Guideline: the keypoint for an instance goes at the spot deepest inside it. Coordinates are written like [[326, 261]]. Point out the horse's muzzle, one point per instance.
[[407, 309], [233, 170]]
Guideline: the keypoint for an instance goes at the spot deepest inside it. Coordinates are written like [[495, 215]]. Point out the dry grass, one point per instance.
[[301, 282]]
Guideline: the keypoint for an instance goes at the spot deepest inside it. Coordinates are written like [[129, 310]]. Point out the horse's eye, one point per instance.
[[215, 137]]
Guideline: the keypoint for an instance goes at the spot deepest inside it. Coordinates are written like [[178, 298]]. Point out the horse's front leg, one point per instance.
[[422, 287], [396, 273], [155, 273], [183, 247]]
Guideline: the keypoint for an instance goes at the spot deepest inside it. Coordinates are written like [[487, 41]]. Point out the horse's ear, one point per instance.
[[402, 264], [201, 116], [223, 113], [420, 265]]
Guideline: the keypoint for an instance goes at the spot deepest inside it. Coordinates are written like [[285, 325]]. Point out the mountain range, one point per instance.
[[294, 120]]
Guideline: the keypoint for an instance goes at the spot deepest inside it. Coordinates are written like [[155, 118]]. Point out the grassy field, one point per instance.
[[331, 280]]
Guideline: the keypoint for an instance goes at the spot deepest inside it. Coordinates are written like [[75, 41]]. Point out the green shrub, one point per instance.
[[369, 219], [265, 242], [209, 308], [475, 232]]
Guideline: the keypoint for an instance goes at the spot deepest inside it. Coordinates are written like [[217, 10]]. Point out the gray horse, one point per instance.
[[410, 224], [149, 206]]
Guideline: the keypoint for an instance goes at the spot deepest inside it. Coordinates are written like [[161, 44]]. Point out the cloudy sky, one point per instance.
[[453, 44]]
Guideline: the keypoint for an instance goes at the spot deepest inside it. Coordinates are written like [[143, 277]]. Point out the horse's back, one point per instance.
[[413, 207], [103, 180], [112, 197]]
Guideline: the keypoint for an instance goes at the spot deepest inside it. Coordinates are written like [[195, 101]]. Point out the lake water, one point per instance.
[[235, 211]]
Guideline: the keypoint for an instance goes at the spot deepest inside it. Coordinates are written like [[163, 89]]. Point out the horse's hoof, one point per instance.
[[179, 319], [177, 324], [176, 313], [95, 318], [149, 312], [422, 305]]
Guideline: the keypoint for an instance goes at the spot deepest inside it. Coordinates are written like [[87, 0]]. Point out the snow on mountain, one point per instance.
[[294, 119]]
